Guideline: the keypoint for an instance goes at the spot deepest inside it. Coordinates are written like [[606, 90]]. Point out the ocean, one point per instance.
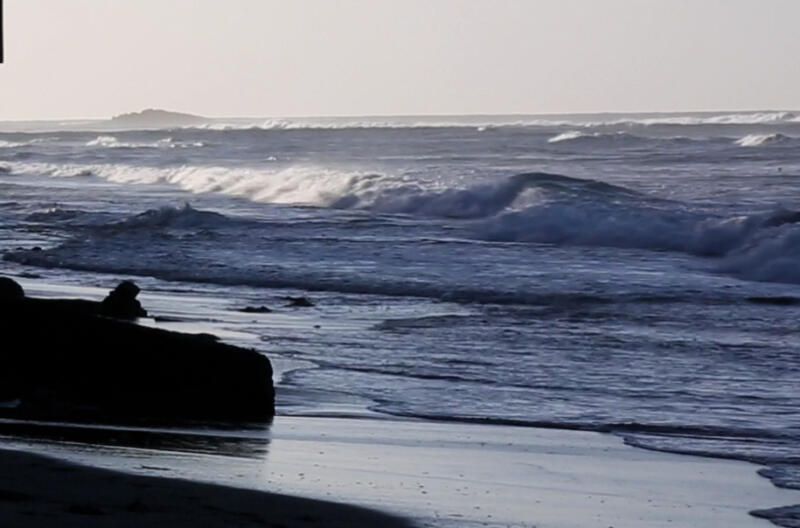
[[636, 274]]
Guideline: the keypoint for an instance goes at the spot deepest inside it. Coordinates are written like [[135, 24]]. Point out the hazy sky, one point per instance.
[[95, 58]]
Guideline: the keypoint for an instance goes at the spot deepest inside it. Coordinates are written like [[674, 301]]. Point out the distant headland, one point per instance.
[[152, 117]]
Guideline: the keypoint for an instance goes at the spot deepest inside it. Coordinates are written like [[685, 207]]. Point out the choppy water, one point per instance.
[[630, 273]]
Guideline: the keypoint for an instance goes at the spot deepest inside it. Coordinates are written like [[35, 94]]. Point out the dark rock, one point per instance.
[[13, 496], [778, 301], [138, 506], [64, 361], [168, 319], [121, 302], [85, 509], [10, 289], [255, 309], [301, 302]]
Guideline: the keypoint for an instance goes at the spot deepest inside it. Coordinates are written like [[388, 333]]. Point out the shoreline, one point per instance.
[[36, 490], [447, 475], [581, 461]]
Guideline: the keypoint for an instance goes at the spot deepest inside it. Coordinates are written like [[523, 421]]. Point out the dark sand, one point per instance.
[[40, 492]]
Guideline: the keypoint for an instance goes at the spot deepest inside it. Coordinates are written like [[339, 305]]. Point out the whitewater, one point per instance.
[[637, 274]]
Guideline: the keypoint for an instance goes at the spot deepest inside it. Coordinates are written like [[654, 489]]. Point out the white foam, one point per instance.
[[113, 142], [493, 122], [538, 208], [567, 136], [309, 185], [15, 144], [573, 135], [329, 124], [756, 140], [748, 118]]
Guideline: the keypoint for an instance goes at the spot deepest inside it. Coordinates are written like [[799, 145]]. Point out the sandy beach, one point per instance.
[[433, 474], [333, 454], [38, 491]]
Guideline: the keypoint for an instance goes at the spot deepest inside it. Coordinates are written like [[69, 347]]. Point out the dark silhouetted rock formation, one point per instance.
[[121, 302], [63, 359], [10, 290]]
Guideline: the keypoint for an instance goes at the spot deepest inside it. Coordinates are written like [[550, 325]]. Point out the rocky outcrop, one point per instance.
[[156, 118], [121, 302], [66, 359], [10, 290]]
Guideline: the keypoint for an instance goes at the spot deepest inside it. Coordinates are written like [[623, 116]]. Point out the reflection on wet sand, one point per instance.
[[247, 442]]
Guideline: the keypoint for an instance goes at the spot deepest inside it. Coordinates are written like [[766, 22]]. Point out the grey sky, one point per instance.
[[95, 58]]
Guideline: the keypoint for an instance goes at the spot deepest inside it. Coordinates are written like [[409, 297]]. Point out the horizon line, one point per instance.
[[431, 115]]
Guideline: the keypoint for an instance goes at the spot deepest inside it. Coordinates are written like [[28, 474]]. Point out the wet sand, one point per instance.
[[434, 474], [38, 491]]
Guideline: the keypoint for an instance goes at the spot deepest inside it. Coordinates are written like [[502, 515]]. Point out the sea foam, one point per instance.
[[168, 142], [528, 208], [756, 140], [489, 123]]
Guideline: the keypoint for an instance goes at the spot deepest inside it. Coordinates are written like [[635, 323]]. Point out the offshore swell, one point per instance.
[[638, 275], [531, 208]]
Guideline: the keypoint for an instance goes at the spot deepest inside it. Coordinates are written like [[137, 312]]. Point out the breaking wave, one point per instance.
[[493, 122], [165, 143], [568, 136], [745, 118], [756, 140], [386, 123], [14, 144], [759, 247], [342, 189], [308, 185], [574, 135], [524, 208]]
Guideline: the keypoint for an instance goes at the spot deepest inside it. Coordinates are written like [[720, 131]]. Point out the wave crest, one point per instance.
[[494, 122], [528, 208], [574, 135], [756, 140], [165, 143], [568, 136], [185, 217]]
